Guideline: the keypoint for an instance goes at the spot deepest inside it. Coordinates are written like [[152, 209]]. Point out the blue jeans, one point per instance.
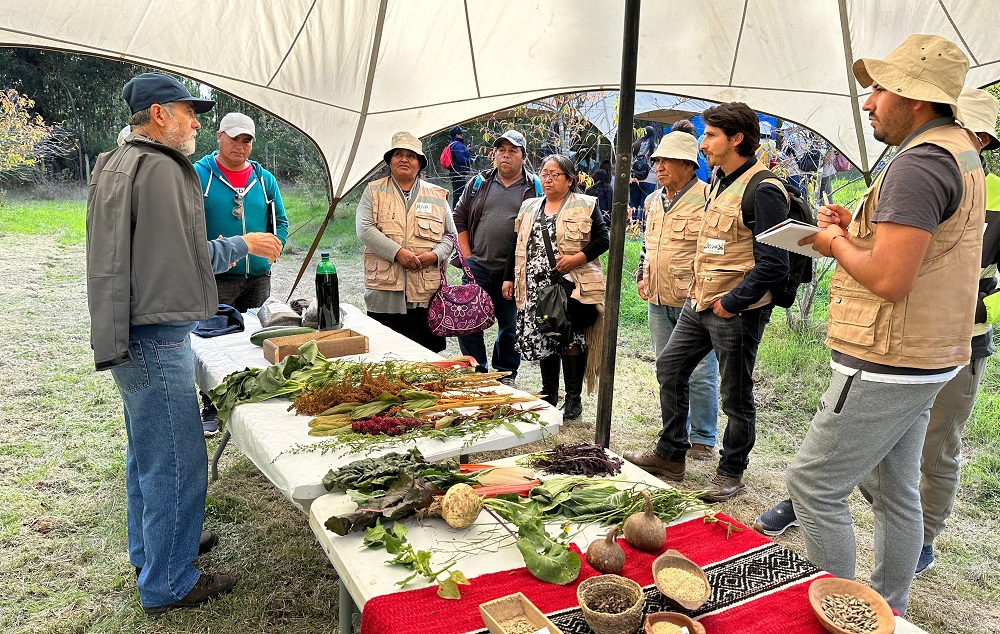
[[703, 418], [505, 356], [735, 341], [636, 199], [166, 464]]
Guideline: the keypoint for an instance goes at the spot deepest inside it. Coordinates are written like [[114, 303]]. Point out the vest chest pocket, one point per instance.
[[577, 231], [684, 228], [429, 228], [719, 224]]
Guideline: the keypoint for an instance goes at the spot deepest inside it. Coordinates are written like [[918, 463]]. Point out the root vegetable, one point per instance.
[[605, 555], [644, 530], [460, 506]]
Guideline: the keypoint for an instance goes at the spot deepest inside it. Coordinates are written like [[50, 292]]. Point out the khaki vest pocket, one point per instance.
[[378, 272], [852, 320], [718, 282], [682, 279]]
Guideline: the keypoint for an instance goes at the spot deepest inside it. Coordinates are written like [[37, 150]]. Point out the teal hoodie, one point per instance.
[[261, 190]]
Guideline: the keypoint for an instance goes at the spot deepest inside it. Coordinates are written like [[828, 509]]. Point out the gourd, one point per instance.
[[261, 335], [643, 529], [460, 506], [605, 555]]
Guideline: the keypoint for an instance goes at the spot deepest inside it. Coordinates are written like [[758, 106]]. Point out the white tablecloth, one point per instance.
[[266, 431]]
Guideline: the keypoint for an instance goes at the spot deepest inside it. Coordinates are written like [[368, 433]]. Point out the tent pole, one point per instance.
[[619, 216], [312, 248]]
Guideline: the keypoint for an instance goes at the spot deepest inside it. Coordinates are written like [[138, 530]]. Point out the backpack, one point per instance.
[[800, 267], [446, 160], [477, 182], [640, 165]]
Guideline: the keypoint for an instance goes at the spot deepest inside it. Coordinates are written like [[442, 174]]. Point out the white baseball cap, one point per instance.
[[237, 123]]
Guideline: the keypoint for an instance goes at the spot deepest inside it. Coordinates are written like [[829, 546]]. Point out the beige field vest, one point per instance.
[[671, 243], [725, 244], [931, 327], [572, 234], [419, 229]]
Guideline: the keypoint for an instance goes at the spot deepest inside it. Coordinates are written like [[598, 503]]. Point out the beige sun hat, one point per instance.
[[923, 67], [978, 112], [406, 141], [678, 145]]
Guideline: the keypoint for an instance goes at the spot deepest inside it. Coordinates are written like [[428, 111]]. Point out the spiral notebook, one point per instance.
[[786, 235]]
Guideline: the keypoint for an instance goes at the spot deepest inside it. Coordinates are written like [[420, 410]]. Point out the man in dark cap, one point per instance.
[[149, 281], [461, 161]]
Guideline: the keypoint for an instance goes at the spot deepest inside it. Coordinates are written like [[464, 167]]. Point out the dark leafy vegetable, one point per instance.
[[584, 459]]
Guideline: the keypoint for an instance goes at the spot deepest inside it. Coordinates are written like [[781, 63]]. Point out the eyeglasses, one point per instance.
[[238, 206], [550, 176]]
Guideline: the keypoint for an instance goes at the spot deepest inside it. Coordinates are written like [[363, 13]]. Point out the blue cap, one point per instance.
[[456, 130], [142, 91], [324, 255]]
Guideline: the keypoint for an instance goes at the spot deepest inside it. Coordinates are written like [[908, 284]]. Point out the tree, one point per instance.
[[25, 138]]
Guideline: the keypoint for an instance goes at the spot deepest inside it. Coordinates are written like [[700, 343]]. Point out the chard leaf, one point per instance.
[[553, 563]]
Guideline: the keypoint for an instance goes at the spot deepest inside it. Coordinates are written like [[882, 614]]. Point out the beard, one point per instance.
[[180, 139]]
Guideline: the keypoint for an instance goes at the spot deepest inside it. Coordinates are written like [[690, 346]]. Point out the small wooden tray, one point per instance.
[[510, 607], [331, 344]]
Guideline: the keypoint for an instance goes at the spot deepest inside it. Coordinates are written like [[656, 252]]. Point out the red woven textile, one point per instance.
[[758, 586]]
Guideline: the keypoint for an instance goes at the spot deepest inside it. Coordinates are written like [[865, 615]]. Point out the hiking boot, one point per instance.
[[926, 561], [701, 452], [776, 520], [656, 464], [206, 543], [723, 488], [210, 420], [208, 587]]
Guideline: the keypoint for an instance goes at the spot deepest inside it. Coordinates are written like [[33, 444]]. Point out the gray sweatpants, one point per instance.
[[940, 464], [870, 434]]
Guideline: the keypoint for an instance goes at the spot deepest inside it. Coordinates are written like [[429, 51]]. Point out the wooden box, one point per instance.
[[506, 610], [331, 343]]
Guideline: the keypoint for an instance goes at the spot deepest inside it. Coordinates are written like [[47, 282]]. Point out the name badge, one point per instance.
[[715, 246], [423, 208]]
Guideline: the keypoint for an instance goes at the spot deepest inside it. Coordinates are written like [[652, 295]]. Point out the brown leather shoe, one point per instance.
[[701, 452], [723, 488], [656, 464], [208, 587]]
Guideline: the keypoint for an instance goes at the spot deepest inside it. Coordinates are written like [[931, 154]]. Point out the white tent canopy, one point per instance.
[[348, 73]]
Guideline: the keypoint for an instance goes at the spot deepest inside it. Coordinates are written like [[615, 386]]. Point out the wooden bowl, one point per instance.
[[821, 588], [674, 559], [672, 617], [625, 622]]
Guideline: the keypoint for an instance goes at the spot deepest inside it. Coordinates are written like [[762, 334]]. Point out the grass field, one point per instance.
[[63, 561]]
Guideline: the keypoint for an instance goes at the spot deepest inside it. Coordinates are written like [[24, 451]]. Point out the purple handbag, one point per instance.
[[459, 310]]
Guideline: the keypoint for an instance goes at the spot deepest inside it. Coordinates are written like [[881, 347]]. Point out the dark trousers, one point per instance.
[[505, 356], [735, 342], [458, 181], [243, 293], [413, 325]]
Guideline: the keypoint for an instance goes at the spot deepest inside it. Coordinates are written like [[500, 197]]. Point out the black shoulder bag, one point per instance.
[[552, 310]]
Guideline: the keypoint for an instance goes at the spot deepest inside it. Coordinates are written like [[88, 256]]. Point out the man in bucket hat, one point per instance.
[[674, 212], [484, 218], [402, 219], [149, 282], [902, 305]]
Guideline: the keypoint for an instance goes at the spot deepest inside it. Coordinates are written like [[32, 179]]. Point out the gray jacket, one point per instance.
[[148, 258]]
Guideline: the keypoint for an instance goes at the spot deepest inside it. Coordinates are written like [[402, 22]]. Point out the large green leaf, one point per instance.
[[553, 562]]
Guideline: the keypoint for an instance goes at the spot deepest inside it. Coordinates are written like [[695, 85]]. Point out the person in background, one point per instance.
[[578, 236], [666, 265], [827, 170], [601, 190], [902, 309], [240, 197], [684, 125], [149, 281], [640, 188], [484, 218], [728, 306], [461, 161], [401, 220]]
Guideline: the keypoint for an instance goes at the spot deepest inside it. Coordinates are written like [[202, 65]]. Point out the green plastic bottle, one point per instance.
[[327, 293]]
